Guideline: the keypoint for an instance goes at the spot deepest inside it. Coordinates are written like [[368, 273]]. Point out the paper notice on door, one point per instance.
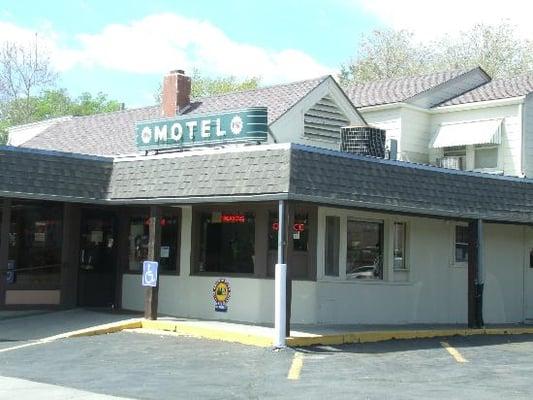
[[165, 251]]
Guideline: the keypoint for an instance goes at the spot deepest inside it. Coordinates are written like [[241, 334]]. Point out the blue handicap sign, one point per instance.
[[150, 273]]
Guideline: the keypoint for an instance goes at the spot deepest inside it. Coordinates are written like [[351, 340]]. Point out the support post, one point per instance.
[[475, 274], [4, 246], [154, 248], [280, 317]]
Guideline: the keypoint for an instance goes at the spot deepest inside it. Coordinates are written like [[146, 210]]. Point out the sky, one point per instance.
[[123, 48]]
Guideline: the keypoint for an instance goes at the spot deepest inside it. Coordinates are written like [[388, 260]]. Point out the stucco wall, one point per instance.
[[433, 290]]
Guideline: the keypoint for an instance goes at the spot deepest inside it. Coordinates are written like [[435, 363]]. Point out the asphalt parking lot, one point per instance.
[[158, 366]]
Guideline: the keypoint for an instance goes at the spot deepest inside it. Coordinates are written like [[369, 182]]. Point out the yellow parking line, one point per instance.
[[454, 353], [296, 367]]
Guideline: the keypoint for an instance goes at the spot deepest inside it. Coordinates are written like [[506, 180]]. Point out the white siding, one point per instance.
[[528, 135], [290, 127], [511, 147], [415, 139], [388, 119]]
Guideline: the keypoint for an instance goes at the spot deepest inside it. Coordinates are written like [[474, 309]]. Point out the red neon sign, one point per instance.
[[297, 227], [233, 218]]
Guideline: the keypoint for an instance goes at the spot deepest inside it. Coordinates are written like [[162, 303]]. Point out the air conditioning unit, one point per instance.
[[452, 162]]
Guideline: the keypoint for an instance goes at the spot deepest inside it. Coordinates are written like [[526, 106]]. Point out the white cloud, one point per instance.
[[429, 19], [162, 42]]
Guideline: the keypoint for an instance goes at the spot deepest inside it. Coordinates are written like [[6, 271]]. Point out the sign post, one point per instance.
[[150, 275]]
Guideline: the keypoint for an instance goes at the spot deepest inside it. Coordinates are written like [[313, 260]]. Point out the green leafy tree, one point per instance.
[[384, 54], [87, 104], [202, 86]]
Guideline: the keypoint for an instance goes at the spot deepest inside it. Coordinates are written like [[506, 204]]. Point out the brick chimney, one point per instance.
[[176, 93]]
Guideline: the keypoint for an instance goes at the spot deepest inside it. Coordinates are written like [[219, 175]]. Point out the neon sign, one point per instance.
[[233, 219], [297, 227]]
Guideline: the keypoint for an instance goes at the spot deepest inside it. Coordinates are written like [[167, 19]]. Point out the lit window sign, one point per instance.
[[246, 125], [297, 227], [233, 219]]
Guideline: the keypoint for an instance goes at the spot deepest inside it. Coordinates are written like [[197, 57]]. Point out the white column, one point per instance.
[[280, 309], [280, 283]]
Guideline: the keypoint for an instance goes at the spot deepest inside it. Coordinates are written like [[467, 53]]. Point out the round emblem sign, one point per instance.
[[221, 294], [146, 135], [236, 125]]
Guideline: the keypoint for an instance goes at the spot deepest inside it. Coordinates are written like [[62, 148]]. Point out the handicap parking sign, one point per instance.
[[150, 273]]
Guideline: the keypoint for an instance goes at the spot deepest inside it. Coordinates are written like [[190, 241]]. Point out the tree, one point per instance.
[[24, 72], [202, 86], [390, 54], [384, 54]]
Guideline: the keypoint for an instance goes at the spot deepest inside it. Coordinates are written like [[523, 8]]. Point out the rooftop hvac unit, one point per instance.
[[363, 140], [452, 162]]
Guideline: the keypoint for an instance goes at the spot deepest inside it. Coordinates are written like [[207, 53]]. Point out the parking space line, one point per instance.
[[21, 346], [454, 352], [296, 367]]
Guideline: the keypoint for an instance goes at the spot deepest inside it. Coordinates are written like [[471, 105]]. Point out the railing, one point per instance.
[[40, 267]]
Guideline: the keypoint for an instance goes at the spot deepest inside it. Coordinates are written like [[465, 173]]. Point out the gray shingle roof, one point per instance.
[[114, 133], [206, 174], [266, 173], [328, 177], [497, 89], [29, 173], [398, 89]]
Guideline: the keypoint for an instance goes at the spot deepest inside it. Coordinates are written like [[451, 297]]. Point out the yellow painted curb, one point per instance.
[[209, 333], [197, 330]]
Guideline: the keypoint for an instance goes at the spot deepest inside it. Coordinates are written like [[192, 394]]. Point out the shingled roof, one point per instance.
[[398, 89], [269, 172], [497, 89], [113, 133]]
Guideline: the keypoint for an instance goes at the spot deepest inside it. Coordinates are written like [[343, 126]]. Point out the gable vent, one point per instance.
[[324, 120]]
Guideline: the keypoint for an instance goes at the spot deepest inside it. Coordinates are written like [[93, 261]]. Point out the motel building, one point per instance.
[[209, 186]]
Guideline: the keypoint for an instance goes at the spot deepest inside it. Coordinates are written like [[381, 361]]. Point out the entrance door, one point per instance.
[[98, 259], [528, 275]]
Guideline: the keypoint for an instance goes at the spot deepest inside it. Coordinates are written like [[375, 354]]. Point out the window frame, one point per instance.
[[405, 245], [387, 251], [453, 242], [142, 213]]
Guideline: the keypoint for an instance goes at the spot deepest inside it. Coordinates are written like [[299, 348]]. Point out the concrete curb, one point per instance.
[[252, 339], [209, 333], [381, 336]]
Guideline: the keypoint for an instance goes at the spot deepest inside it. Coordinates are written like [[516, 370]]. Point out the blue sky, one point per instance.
[[122, 48]]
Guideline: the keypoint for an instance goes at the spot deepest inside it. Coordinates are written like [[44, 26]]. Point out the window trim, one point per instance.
[[165, 212], [453, 263], [405, 245], [387, 251]]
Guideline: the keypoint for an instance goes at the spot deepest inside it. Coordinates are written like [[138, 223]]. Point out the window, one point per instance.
[[486, 157], [461, 243], [138, 242], [364, 250], [227, 242], [35, 243], [332, 245], [300, 232], [398, 250]]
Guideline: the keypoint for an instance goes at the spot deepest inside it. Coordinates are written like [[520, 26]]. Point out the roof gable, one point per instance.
[[423, 90], [497, 89]]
